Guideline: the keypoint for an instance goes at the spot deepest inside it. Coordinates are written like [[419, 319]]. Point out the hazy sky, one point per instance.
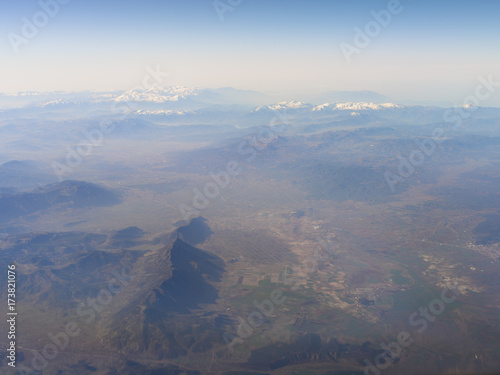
[[430, 50]]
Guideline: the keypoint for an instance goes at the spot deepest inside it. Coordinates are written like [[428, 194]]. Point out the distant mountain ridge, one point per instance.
[[23, 174], [177, 97], [77, 194]]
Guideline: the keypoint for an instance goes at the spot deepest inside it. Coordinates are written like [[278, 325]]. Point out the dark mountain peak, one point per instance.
[[182, 254], [194, 233], [172, 282]]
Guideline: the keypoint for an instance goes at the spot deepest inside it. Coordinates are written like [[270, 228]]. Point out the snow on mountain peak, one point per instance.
[[55, 103], [337, 106], [354, 106], [162, 112], [294, 104], [159, 94]]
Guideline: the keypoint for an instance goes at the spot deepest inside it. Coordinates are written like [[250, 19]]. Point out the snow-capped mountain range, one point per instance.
[[174, 97], [159, 94], [352, 106], [183, 101], [337, 106], [180, 98]]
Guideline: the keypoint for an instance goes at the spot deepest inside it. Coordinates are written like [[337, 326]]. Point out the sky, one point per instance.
[[427, 50]]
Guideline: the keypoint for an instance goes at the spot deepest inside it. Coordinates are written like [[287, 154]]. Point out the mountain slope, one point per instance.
[[168, 285]]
